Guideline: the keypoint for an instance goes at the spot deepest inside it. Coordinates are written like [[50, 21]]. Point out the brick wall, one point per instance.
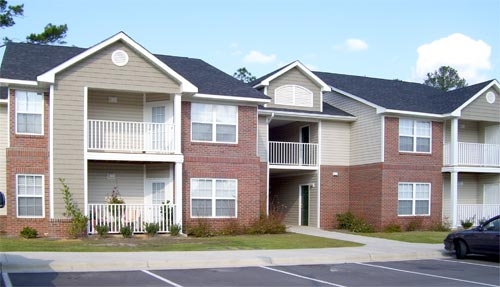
[[334, 194]]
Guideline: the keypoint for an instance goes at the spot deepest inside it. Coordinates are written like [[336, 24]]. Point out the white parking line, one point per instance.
[[6, 279], [424, 274], [300, 276], [469, 263], [161, 278]]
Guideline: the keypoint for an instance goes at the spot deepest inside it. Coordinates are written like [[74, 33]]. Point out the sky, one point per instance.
[[389, 39]]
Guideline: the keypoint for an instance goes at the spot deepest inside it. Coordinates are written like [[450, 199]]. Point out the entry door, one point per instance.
[[154, 135], [304, 205], [155, 194], [305, 150]]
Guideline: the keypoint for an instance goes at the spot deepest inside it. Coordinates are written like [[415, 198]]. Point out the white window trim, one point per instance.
[[213, 198], [414, 199], [279, 101], [18, 196], [42, 113], [414, 137], [214, 125]]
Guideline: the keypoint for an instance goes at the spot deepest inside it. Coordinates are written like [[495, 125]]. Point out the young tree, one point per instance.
[[445, 78], [51, 33], [244, 75]]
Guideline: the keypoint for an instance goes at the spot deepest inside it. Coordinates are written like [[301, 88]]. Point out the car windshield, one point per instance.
[[493, 225]]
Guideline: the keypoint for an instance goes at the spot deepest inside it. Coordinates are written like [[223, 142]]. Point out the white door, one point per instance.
[[492, 141], [157, 115], [158, 191]]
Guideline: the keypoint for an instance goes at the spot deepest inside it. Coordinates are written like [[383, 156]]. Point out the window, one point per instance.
[[414, 198], [213, 197], [29, 113], [214, 123], [29, 195], [293, 95], [414, 136]]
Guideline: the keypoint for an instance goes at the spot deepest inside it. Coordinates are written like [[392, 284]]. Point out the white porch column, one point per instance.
[[454, 142], [178, 192], [177, 123], [454, 198]]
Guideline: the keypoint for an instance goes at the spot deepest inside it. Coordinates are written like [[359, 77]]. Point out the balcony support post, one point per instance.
[[178, 193], [454, 142], [454, 198], [177, 123]]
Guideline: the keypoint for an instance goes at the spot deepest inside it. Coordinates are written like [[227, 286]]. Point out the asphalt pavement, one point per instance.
[[373, 250]]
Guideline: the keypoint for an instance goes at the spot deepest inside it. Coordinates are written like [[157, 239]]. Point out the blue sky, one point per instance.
[[379, 38]]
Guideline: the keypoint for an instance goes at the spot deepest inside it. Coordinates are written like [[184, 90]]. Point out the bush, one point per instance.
[[79, 221], [102, 230], [352, 223], [29, 232], [175, 229], [267, 224], [126, 231], [466, 224], [414, 225], [393, 227], [440, 226], [151, 228], [232, 227], [201, 229]]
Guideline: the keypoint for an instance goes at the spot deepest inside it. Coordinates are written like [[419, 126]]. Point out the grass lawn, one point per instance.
[[411, 236], [170, 243]]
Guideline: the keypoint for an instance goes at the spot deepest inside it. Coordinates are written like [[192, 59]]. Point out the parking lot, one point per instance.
[[437, 272]]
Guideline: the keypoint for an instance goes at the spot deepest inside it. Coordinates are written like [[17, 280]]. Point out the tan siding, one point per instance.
[[262, 139], [481, 110], [3, 145], [96, 71], [335, 145], [366, 131], [127, 108], [129, 179], [158, 170], [295, 77], [468, 131]]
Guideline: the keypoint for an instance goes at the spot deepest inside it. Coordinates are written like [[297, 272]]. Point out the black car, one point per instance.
[[483, 239]]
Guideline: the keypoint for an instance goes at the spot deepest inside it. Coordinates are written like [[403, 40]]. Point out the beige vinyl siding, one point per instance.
[[4, 132], [262, 140], [366, 131], [468, 131], [481, 110], [128, 178], [158, 170], [127, 108], [335, 145], [95, 72], [295, 77]]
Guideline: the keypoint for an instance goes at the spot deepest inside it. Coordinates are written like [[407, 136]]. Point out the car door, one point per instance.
[[491, 236]]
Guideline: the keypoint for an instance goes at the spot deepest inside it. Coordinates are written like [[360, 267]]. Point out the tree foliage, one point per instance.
[[445, 78], [244, 75], [51, 33]]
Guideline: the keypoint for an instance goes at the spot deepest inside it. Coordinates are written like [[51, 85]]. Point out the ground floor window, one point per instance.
[[213, 197], [29, 190], [414, 198]]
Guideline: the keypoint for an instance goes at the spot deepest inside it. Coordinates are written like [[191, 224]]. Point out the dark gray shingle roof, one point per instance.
[[23, 61]]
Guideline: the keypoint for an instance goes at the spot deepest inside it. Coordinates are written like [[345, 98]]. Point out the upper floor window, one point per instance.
[[414, 198], [29, 195], [293, 95], [213, 197], [414, 135], [214, 123], [29, 113]]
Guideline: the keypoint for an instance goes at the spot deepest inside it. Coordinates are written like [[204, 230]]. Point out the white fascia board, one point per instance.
[[306, 115], [230, 98], [473, 98], [324, 87], [49, 76], [470, 169], [356, 98], [6, 101], [6, 82], [413, 114]]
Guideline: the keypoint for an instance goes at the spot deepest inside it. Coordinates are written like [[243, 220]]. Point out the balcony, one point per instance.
[[293, 154], [476, 212], [474, 154], [116, 216], [130, 137]]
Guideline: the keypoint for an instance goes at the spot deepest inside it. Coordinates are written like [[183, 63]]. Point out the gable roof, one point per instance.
[[397, 96], [31, 63]]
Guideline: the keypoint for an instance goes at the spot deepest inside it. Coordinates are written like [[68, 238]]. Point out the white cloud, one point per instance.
[[468, 56], [352, 45], [258, 57]]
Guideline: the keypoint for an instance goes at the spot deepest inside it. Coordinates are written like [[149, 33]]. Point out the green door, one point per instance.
[[304, 206]]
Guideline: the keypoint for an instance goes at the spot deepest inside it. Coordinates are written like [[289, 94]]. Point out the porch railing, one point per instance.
[[116, 216], [130, 136], [474, 154], [293, 153], [476, 212]]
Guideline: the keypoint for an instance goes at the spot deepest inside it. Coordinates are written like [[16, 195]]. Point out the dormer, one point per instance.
[[293, 87]]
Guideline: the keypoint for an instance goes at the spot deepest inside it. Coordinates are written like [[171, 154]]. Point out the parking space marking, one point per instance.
[[161, 278], [6, 279], [302, 277], [469, 263], [425, 274]]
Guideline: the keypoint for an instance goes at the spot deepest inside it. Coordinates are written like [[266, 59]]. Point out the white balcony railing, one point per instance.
[[115, 216], [476, 212], [130, 136], [474, 154], [293, 153]]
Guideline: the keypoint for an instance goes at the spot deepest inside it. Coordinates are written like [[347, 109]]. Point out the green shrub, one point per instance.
[[267, 224], [352, 223], [232, 227], [175, 229], [102, 230], [414, 225], [345, 220], [79, 221], [29, 232], [466, 224], [151, 228], [201, 229], [440, 226], [393, 227], [126, 231]]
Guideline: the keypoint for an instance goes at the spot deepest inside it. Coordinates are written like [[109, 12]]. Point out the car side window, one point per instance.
[[494, 225]]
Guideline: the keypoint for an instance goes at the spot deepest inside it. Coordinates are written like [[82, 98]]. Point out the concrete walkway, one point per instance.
[[374, 250]]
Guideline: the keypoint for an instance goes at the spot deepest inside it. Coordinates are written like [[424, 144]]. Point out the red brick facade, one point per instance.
[[334, 194]]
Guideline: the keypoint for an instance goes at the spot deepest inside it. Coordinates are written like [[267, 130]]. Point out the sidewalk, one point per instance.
[[375, 249]]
